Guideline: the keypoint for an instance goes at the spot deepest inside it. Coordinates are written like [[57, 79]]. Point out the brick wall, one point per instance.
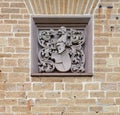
[[22, 95]]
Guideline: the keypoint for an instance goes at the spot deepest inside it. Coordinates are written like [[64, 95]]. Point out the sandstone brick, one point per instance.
[[101, 42], [8, 102], [36, 79], [108, 86], [24, 11], [115, 77], [57, 109], [75, 113], [73, 86], [10, 87], [20, 56], [85, 102], [97, 94], [1, 62], [99, 77], [103, 34], [118, 86], [113, 94], [43, 86], [100, 62], [1, 21], [8, 109], [111, 109], [98, 28], [100, 16], [23, 86], [4, 16], [5, 28], [17, 5], [6, 69], [40, 109], [4, 55], [46, 102], [52, 95], [101, 21], [23, 21], [4, 4], [2, 94], [51, 79], [103, 69], [2, 109], [15, 42], [36, 95], [65, 102], [6, 113], [3, 42], [109, 1], [14, 95], [101, 55], [3, 77], [9, 10], [20, 28], [6, 34], [99, 49], [22, 50], [10, 21], [67, 79], [17, 77], [21, 69], [16, 16], [96, 109], [106, 102], [23, 62], [24, 102], [26, 16], [114, 41], [117, 69], [9, 49], [82, 79], [22, 34], [115, 35], [26, 42], [112, 49], [67, 94], [118, 101], [20, 109], [10, 62], [2, 86], [112, 62], [77, 109], [51, 113], [59, 86], [109, 28], [92, 86], [79, 94]]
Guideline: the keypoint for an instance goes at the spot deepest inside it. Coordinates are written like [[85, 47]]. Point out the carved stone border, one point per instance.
[[39, 22]]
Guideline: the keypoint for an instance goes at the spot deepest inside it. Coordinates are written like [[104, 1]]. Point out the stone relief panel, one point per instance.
[[61, 50]]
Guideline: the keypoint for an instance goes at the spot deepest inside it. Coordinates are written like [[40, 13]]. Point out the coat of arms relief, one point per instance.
[[61, 50]]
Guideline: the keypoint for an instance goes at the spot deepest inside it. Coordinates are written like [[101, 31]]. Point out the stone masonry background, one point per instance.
[[21, 94]]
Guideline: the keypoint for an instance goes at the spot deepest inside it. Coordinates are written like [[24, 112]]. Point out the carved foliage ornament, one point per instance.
[[61, 50]]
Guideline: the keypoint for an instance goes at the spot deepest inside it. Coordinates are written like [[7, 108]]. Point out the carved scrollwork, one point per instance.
[[61, 50]]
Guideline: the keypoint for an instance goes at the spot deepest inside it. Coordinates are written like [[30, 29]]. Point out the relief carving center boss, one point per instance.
[[61, 50]]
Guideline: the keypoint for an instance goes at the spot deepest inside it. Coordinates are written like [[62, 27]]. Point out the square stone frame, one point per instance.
[[86, 22]]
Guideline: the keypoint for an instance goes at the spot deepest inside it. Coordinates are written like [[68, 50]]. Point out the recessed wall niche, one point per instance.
[[61, 45]]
